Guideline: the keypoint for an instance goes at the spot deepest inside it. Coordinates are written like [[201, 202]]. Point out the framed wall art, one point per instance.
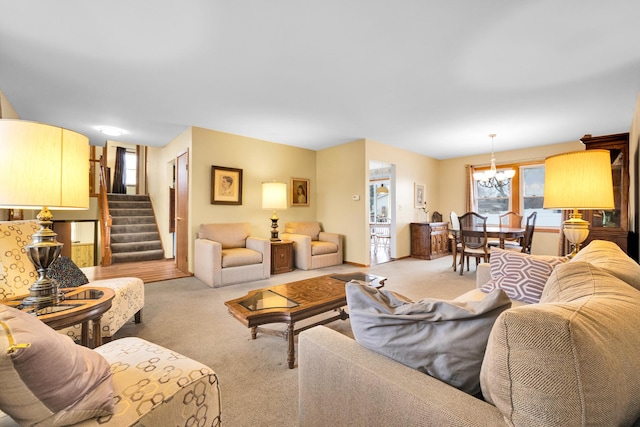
[[226, 186], [299, 189], [418, 196]]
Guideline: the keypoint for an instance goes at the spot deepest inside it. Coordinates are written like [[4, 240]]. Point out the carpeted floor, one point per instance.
[[257, 388]]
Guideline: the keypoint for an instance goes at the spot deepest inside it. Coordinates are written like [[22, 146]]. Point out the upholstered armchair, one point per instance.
[[226, 254], [312, 247]]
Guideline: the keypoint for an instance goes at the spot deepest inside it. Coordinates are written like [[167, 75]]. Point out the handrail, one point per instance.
[[105, 219]]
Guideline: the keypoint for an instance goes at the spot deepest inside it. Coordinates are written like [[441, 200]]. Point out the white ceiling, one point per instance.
[[433, 77]]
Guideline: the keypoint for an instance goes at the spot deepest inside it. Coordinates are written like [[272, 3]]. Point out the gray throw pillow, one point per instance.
[[444, 339], [67, 273]]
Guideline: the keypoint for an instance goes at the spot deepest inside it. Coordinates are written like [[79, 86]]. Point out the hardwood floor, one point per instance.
[[148, 271]]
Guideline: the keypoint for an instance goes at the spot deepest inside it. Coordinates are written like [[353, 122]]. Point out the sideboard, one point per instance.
[[429, 240]]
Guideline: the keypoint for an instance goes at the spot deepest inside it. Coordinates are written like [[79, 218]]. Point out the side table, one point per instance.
[[81, 305], [281, 256]]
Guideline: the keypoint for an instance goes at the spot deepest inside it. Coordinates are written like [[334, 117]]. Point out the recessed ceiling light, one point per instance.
[[111, 131]]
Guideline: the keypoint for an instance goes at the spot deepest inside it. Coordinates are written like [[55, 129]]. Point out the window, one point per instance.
[[524, 194], [131, 174], [379, 202]]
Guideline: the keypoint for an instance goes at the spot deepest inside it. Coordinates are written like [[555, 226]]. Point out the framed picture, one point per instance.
[[226, 186], [418, 196], [299, 189]]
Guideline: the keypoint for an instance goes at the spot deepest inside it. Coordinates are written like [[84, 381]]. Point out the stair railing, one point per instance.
[[105, 219]]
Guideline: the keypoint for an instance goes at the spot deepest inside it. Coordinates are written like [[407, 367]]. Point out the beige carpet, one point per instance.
[[257, 387]]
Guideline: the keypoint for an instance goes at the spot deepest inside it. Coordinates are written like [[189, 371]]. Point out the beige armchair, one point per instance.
[[313, 248], [226, 254]]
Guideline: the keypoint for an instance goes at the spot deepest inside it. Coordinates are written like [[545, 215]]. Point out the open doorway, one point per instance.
[[381, 212]]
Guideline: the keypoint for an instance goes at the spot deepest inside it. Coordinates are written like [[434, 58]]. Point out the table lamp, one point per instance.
[[578, 180], [43, 167], [274, 196]]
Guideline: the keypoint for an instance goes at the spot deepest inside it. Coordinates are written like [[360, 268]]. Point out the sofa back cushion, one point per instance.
[[608, 256], [232, 235], [18, 272], [311, 229], [573, 358]]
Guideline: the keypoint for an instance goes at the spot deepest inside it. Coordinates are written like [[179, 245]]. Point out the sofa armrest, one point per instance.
[[207, 261], [483, 274], [330, 237], [259, 244], [345, 383], [301, 249]]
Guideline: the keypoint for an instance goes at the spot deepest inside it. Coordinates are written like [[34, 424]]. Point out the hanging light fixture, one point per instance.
[[493, 178], [382, 190]]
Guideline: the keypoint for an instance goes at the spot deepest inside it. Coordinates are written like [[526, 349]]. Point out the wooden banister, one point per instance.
[[105, 219]]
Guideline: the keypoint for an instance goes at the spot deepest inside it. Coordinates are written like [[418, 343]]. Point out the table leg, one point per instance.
[[254, 332], [502, 243], [291, 352], [84, 334], [97, 332]]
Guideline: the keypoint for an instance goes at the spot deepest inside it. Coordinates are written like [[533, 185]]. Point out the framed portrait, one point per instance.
[[418, 196], [226, 186], [299, 189]]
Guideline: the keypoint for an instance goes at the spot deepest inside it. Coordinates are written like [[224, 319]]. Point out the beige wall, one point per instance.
[[454, 177]]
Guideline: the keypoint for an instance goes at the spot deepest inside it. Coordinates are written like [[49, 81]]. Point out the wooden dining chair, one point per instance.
[[454, 238], [527, 239], [473, 239], [509, 219], [436, 217]]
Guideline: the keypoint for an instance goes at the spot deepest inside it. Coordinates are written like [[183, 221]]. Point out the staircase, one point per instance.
[[134, 232]]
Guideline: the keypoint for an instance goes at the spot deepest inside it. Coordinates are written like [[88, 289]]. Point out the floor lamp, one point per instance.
[[578, 180], [43, 167], [274, 196]]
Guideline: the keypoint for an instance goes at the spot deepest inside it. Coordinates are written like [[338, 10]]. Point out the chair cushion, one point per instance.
[[573, 358], [608, 256], [445, 339], [240, 256], [67, 273], [311, 229], [228, 235], [46, 378], [521, 276], [320, 248]]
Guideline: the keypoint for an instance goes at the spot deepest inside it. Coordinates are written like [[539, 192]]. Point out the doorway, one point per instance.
[[381, 212], [182, 212]]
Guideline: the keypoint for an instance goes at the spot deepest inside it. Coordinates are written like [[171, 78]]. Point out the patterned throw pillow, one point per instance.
[[521, 276], [67, 273]]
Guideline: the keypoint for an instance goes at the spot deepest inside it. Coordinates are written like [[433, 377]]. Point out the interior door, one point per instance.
[[182, 212]]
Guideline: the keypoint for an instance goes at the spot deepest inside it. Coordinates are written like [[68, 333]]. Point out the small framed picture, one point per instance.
[[226, 186], [299, 189], [419, 198]]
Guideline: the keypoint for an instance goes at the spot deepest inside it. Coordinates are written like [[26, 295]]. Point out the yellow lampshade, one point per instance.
[[43, 165], [578, 180], [274, 195]]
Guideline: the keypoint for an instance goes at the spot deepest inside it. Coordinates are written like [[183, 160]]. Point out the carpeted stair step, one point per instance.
[[137, 256], [135, 246], [130, 212], [115, 197], [134, 237], [133, 220], [128, 205], [134, 228]]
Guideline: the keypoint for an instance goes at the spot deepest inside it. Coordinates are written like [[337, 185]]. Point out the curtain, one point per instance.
[[469, 188], [119, 174]]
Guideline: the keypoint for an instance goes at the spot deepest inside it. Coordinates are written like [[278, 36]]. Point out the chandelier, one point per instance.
[[492, 178]]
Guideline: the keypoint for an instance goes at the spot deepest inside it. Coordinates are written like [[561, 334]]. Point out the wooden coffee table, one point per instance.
[[292, 302], [80, 305]]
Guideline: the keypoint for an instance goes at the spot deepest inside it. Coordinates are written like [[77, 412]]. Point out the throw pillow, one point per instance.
[[46, 378], [608, 256], [67, 273], [521, 276], [444, 339]]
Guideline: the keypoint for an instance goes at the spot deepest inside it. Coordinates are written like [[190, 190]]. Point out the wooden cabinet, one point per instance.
[[281, 256], [429, 240], [612, 225], [82, 254]]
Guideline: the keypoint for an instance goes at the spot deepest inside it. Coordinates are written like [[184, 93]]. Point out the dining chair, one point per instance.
[[473, 239], [436, 217], [527, 239], [509, 219], [454, 238], [382, 236]]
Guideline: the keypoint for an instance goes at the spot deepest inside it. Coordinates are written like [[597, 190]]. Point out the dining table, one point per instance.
[[493, 231]]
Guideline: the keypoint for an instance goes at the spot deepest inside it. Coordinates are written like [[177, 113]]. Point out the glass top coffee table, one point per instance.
[[292, 302], [80, 305]]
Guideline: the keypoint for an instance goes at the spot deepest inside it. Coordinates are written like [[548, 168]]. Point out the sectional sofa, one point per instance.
[[571, 359]]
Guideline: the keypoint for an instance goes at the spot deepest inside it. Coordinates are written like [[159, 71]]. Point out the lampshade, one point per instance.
[[274, 195], [578, 180], [382, 190], [43, 165]]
